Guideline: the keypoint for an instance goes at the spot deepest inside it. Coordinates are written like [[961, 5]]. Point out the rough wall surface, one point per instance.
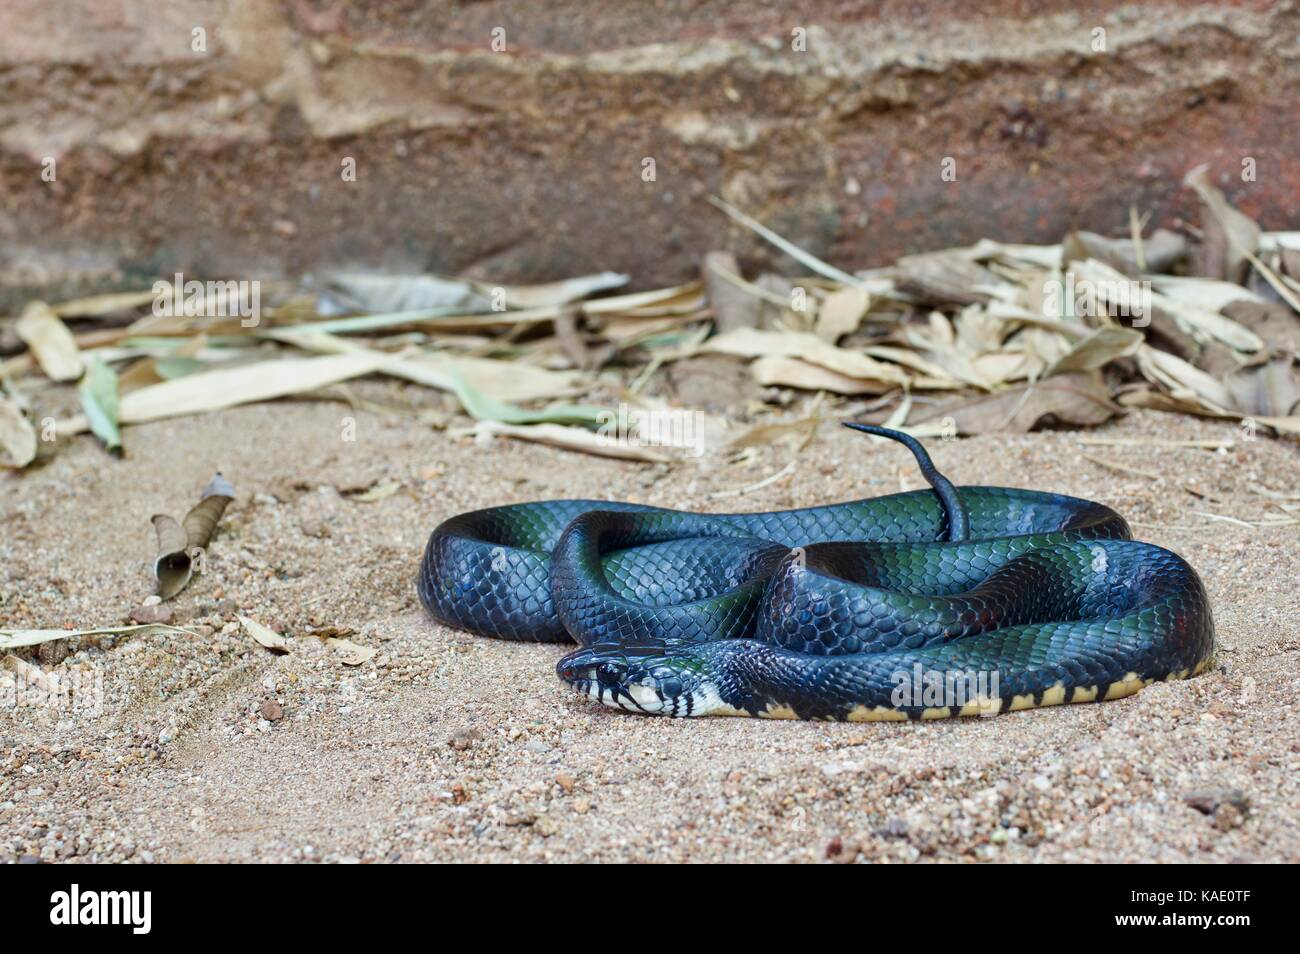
[[529, 163]]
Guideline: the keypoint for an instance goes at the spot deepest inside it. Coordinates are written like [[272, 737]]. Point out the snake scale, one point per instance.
[[927, 604]]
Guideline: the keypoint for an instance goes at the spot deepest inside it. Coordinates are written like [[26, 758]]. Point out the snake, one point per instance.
[[948, 601]]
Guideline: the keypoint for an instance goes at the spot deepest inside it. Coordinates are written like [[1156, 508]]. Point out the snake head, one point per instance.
[[654, 679]]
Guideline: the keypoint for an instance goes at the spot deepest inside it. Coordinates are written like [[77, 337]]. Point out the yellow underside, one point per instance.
[[1054, 696]]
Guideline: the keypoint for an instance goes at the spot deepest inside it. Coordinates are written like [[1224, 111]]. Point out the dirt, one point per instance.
[[207, 746], [861, 131]]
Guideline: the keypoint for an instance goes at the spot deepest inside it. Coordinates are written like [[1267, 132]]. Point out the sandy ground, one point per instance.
[[445, 746]]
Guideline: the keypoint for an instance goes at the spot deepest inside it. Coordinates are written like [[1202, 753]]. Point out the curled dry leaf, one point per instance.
[[180, 543], [762, 435], [201, 522], [50, 341], [570, 337], [17, 436], [172, 567]]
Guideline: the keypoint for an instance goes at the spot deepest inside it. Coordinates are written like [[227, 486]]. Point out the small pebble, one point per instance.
[[155, 613]]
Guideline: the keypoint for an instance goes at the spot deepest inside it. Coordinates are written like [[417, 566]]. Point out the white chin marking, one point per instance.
[[645, 700]]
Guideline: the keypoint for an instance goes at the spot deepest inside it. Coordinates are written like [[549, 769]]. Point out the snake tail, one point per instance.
[[954, 510]]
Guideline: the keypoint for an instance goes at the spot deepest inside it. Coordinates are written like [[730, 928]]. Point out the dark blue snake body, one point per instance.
[[955, 601]]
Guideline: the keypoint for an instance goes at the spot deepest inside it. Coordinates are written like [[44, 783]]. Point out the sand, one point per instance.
[[449, 747]]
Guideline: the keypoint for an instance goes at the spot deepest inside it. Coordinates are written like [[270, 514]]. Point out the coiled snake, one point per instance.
[[927, 604]]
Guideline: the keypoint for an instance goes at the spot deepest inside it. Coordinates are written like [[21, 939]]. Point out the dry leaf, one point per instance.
[[1210, 294], [733, 307], [1273, 322], [50, 341], [98, 305], [15, 638], [1269, 388], [100, 401], [553, 293], [1285, 425], [793, 373], [1098, 349], [369, 292], [1039, 256], [762, 435], [265, 636], [227, 387], [806, 259], [935, 376], [753, 343], [350, 653], [678, 300], [568, 438], [1078, 398], [1162, 250], [1184, 381], [377, 492], [201, 522], [17, 436], [1202, 323], [178, 543], [938, 339], [503, 380], [841, 313], [571, 341], [949, 277], [172, 567], [1230, 236]]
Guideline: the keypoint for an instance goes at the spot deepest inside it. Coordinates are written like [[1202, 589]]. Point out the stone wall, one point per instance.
[[831, 124]]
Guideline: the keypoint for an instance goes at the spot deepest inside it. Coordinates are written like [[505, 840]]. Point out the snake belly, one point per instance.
[[862, 610]]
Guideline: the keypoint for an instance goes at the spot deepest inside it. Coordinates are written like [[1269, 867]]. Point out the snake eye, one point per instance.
[[608, 674]]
